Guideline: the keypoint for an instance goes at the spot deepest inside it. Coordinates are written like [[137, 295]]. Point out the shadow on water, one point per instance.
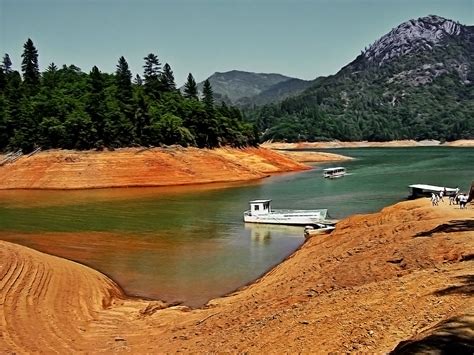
[[453, 336], [451, 227]]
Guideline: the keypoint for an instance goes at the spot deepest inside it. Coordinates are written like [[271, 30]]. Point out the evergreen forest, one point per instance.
[[64, 107]]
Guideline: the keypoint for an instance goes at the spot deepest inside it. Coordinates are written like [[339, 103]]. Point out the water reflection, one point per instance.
[[43, 198], [261, 234]]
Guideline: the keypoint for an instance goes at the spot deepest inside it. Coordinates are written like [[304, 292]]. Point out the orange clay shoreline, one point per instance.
[[139, 167], [376, 280]]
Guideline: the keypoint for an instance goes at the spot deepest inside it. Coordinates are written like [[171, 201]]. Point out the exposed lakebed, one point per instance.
[[189, 243]]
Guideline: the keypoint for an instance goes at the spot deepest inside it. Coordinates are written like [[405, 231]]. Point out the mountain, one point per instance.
[[425, 36], [276, 93], [415, 82], [246, 88]]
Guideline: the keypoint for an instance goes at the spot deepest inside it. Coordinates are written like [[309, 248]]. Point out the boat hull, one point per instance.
[[334, 176], [286, 220], [308, 232]]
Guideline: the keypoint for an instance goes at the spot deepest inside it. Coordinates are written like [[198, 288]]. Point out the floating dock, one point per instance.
[[420, 190]]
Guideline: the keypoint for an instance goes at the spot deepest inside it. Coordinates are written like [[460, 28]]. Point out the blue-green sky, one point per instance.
[[299, 38]]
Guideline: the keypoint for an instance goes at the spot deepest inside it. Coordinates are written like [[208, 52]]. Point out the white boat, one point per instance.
[[261, 212], [318, 228], [332, 173]]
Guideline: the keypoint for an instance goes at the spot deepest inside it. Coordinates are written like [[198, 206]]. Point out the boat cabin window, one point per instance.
[[256, 207]]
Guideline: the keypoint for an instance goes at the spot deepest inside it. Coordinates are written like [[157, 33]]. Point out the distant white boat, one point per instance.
[[261, 212], [417, 190], [333, 173]]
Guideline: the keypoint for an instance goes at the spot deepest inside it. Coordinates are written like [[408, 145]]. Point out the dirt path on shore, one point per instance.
[[133, 167], [376, 280]]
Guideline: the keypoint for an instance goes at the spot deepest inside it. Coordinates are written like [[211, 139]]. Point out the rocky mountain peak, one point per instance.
[[421, 34]]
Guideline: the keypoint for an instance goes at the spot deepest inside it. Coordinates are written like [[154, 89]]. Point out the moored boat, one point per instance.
[[261, 212], [333, 173], [318, 228]]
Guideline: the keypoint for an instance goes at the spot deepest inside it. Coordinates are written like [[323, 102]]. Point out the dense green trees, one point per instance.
[[67, 108]]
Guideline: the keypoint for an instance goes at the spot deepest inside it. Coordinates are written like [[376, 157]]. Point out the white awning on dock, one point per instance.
[[431, 188]]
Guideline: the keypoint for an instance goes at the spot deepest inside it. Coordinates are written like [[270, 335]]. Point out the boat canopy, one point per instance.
[[339, 168]]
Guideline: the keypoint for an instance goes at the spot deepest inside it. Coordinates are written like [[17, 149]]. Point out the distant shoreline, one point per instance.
[[367, 144]]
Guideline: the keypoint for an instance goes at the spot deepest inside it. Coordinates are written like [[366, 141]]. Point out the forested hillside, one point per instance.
[[416, 82], [247, 89], [64, 107]]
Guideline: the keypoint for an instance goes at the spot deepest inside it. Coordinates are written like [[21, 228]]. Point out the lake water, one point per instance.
[[190, 244]]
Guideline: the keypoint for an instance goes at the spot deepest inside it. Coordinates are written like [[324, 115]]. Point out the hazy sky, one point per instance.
[[299, 38]]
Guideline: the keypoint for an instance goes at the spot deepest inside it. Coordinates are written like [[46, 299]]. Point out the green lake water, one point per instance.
[[191, 245]]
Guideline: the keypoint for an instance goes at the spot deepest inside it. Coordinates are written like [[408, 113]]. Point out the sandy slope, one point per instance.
[[62, 169], [378, 279]]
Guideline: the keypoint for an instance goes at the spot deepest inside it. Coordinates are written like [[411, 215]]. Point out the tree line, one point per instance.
[[67, 108]]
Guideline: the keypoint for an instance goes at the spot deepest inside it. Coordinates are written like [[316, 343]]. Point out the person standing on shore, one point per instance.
[[452, 200], [434, 199]]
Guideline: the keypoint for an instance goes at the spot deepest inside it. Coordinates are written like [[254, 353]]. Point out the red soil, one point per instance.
[[138, 167]]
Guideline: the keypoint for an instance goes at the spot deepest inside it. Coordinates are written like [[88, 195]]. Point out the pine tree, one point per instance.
[[52, 68], [123, 80], [3, 120], [190, 88], [208, 95], [29, 64], [167, 79], [138, 80], [6, 64], [151, 75], [96, 80], [96, 108], [13, 95], [125, 114], [50, 76], [152, 67], [3, 82], [142, 120]]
